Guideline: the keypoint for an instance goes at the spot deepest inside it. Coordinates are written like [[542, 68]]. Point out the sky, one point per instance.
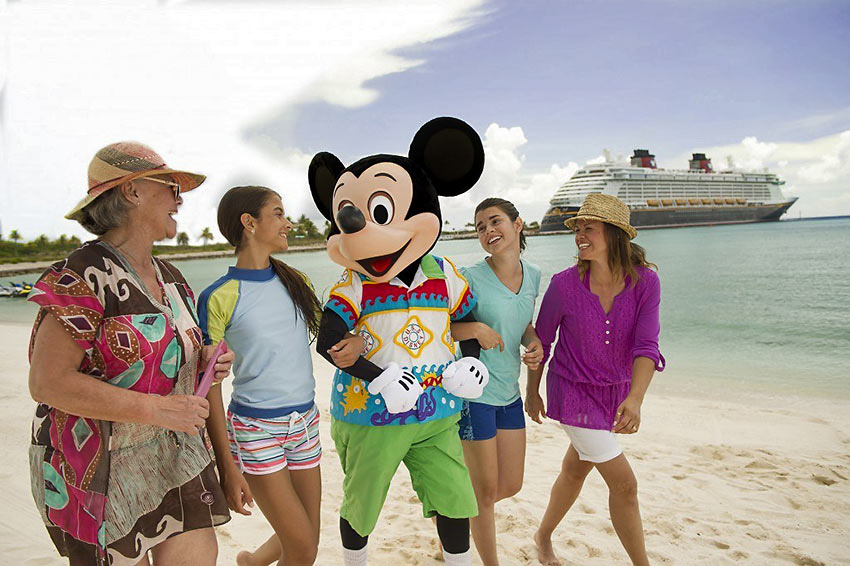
[[248, 91]]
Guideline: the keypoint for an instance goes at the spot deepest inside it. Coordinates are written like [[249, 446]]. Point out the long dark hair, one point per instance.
[[623, 254], [236, 202], [509, 209]]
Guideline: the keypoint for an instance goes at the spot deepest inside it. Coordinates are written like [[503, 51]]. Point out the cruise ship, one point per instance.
[[659, 198]]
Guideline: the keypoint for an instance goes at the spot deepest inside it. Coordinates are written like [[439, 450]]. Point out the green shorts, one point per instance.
[[432, 454]]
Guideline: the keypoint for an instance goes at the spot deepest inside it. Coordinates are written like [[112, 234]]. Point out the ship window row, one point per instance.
[[582, 190], [579, 182], [694, 176], [741, 190], [732, 191], [691, 194]]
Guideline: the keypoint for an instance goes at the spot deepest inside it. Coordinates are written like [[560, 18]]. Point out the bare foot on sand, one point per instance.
[[545, 552], [245, 558]]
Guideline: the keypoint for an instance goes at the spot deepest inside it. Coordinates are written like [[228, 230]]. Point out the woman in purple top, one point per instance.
[[605, 312]]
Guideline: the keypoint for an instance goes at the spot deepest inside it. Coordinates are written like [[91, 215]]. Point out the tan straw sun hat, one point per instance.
[[604, 208], [120, 162]]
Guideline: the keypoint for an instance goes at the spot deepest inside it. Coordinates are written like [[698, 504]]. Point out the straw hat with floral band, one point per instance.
[[120, 162], [604, 208]]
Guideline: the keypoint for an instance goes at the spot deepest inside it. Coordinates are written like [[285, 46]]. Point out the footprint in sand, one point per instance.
[[823, 480], [837, 474], [715, 453], [802, 560], [796, 558], [593, 552], [720, 545], [760, 465]]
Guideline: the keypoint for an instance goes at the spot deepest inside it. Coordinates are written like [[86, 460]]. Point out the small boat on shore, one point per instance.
[[21, 289]]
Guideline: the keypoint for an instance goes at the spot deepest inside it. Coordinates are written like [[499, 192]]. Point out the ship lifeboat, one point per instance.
[[718, 201], [741, 201], [667, 201], [652, 202], [706, 201], [681, 201], [730, 201], [693, 200]]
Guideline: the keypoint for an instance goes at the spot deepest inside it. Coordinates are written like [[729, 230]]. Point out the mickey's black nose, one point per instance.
[[350, 219]]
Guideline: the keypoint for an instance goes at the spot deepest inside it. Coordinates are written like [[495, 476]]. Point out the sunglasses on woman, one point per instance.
[[175, 187]]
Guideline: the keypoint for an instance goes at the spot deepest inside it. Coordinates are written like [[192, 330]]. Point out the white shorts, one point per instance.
[[593, 445]]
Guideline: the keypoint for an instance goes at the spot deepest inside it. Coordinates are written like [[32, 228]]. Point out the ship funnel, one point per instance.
[[700, 161], [642, 158]]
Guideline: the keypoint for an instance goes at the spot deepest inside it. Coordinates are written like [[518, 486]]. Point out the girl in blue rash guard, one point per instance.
[[266, 311], [492, 427]]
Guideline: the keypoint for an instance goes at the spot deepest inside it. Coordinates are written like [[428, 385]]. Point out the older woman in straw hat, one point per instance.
[[605, 313], [117, 462]]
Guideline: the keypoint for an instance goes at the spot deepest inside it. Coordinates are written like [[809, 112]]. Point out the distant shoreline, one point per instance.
[[25, 268]]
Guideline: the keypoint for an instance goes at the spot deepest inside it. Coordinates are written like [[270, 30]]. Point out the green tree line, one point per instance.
[[13, 248]]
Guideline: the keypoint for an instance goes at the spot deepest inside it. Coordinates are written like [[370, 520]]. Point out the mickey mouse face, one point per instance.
[[379, 192], [377, 233], [384, 210]]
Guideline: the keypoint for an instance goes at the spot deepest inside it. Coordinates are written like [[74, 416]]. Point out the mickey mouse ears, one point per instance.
[[450, 152]]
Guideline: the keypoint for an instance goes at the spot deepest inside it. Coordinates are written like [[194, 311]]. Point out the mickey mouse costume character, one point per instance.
[[400, 401]]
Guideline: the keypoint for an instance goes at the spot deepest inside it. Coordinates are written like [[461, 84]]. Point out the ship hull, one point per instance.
[[673, 216]]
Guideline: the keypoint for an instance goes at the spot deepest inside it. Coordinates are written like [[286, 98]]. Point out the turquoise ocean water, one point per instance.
[[746, 307]]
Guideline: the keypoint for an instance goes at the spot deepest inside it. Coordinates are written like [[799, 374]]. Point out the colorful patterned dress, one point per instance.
[[110, 491]]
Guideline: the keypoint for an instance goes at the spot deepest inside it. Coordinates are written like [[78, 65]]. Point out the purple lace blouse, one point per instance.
[[591, 369]]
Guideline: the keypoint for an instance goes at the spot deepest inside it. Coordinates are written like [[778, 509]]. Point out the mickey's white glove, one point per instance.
[[399, 388], [466, 378]]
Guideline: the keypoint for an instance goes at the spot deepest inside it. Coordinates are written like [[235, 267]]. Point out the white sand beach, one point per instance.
[[748, 480]]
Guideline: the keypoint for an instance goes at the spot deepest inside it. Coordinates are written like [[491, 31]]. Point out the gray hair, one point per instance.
[[107, 211]]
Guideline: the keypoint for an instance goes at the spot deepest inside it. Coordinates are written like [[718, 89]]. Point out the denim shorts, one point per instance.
[[480, 421]]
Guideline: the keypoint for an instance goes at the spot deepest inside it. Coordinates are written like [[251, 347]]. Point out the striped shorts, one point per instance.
[[264, 446]]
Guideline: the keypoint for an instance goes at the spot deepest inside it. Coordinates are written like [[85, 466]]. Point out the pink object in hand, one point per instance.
[[207, 377]]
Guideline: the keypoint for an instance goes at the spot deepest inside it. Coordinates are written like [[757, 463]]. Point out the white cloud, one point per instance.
[[188, 79], [833, 165], [505, 176]]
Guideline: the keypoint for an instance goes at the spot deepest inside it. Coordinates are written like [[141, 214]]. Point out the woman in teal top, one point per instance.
[[492, 427]]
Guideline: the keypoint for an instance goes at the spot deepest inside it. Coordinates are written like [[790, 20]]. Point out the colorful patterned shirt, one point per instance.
[[99, 477], [406, 325]]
